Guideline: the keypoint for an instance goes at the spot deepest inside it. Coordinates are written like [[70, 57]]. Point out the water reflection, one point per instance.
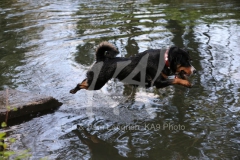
[[13, 36], [46, 47]]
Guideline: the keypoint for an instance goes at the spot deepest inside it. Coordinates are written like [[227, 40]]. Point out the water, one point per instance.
[[46, 47]]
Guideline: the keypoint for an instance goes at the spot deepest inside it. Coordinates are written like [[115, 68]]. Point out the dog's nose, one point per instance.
[[194, 71]]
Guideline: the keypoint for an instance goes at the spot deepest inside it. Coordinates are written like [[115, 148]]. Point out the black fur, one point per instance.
[[178, 56], [105, 50], [106, 64]]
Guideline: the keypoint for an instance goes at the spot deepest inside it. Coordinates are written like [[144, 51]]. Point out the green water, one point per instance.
[[46, 47]]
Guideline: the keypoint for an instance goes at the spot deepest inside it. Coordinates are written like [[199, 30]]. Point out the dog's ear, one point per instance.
[[186, 53]]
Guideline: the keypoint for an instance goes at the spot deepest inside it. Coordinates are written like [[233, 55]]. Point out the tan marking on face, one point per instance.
[[187, 70]]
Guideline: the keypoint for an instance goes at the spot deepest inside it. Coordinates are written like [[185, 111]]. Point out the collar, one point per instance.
[[166, 59], [168, 66]]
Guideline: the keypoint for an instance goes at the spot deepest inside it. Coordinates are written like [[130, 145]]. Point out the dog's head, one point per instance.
[[180, 62]]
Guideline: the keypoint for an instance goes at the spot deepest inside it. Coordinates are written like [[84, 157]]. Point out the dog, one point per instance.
[[153, 67]]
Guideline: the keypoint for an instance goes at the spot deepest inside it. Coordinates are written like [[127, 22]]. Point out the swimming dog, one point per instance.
[[153, 67]]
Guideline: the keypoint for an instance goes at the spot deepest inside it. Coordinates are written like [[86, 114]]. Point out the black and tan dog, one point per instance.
[[154, 67]]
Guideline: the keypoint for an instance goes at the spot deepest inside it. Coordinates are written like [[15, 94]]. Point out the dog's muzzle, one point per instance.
[[193, 70]]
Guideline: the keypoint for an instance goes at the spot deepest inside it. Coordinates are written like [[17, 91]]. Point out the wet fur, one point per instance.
[[106, 63]]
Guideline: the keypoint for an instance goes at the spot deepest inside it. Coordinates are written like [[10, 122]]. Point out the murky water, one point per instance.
[[46, 47]]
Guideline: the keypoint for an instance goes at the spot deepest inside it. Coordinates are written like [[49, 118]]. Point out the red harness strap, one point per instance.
[[167, 64], [166, 58]]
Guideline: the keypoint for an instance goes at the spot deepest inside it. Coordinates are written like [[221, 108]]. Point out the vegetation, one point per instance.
[[5, 141]]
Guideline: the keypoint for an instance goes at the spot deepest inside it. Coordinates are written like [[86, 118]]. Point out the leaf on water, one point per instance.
[[44, 158], [8, 153], [2, 135], [12, 140], [5, 146], [4, 124], [23, 155], [8, 108]]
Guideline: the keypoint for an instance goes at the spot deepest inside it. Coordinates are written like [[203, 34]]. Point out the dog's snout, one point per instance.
[[194, 71]]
